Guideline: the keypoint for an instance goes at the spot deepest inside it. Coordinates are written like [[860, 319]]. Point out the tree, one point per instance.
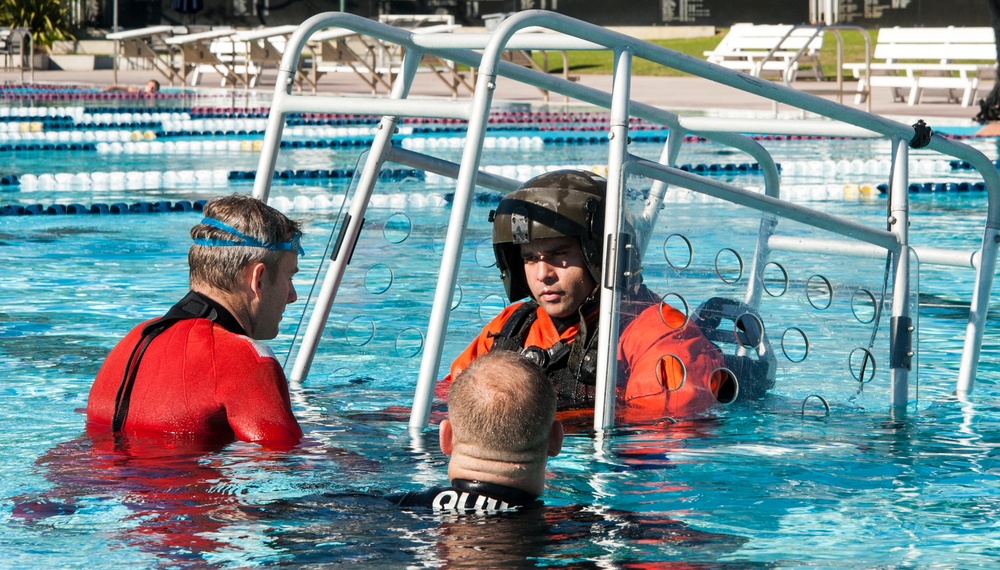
[[989, 108], [47, 19]]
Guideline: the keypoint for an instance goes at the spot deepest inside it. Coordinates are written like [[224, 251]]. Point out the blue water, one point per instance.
[[776, 483]]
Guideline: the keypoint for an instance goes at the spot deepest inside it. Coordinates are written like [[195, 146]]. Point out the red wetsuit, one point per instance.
[[652, 385], [199, 378]]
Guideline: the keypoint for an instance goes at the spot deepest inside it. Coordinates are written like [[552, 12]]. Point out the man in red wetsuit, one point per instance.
[[548, 240], [201, 369]]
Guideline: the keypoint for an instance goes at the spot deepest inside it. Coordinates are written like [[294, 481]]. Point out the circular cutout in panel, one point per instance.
[[863, 305], [673, 302], [729, 265], [729, 386], [342, 374], [409, 342], [490, 306], [485, 256], [359, 331], [818, 398], [397, 228], [795, 344], [378, 278], [437, 242], [819, 292], [862, 364], [775, 279], [671, 373], [677, 251], [748, 330], [457, 298]]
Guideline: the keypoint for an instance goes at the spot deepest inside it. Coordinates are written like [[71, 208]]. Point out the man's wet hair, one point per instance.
[[220, 267], [502, 402]]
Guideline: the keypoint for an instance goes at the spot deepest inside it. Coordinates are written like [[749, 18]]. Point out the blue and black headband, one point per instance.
[[247, 241]]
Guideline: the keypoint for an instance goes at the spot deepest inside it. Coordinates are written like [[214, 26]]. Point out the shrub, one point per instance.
[[47, 19]]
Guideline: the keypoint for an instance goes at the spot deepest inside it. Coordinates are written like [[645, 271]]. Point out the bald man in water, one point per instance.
[[501, 430]]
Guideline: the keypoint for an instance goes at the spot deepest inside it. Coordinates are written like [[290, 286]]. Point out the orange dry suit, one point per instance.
[[666, 368]]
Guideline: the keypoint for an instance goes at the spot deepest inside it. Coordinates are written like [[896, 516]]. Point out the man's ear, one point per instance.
[[555, 438], [446, 437], [255, 274]]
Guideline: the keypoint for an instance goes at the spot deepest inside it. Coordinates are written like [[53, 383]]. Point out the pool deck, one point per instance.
[[684, 95]]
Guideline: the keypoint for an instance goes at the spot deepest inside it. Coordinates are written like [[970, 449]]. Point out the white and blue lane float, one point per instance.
[[83, 129], [221, 179]]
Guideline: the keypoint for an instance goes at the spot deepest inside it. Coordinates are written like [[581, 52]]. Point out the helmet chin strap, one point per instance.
[[591, 301]]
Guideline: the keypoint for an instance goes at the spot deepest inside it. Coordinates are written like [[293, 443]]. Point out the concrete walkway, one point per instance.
[[684, 95]]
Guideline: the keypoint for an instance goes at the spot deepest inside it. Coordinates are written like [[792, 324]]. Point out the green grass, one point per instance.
[[601, 62]]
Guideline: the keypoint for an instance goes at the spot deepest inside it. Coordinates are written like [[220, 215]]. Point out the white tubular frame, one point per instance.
[[574, 34]]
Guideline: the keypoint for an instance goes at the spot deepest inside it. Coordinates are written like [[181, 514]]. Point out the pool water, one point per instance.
[[775, 483]]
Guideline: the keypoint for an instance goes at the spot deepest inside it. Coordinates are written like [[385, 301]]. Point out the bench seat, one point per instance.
[[911, 61], [761, 50]]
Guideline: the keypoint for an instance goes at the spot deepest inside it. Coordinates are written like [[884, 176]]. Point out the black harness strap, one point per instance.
[[192, 306], [515, 331], [576, 378], [124, 395], [572, 368]]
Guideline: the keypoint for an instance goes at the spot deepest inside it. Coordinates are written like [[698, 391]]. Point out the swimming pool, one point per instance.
[[779, 482]]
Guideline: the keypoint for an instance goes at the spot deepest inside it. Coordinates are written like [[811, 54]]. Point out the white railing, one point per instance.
[[574, 34]]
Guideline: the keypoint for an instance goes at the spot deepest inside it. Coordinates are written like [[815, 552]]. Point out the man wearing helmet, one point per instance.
[[548, 240]]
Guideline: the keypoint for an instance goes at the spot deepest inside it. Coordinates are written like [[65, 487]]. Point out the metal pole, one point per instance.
[[461, 208], [607, 335], [114, 25], [353, 224], [901, 327], [979, 306]]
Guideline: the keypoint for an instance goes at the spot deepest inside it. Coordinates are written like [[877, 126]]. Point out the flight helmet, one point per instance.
[[555, 204]]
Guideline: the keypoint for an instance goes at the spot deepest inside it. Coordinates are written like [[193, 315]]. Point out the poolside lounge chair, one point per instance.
[[199, 57], [146, 46], [769, 49]]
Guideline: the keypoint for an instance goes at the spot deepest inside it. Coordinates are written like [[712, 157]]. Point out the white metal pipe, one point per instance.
[[376, 106], [448, 168], [600, 98], [658, 191], [493, 67], [607, 331], [947, 257], [901, 349], [926, 255], [762, 252], [359, 204], [448, 275], [271, 144], [976, 326], [764, 203]]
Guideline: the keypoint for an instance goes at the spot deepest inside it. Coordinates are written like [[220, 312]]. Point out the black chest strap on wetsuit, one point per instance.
[[193, 306], [571, 367]]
